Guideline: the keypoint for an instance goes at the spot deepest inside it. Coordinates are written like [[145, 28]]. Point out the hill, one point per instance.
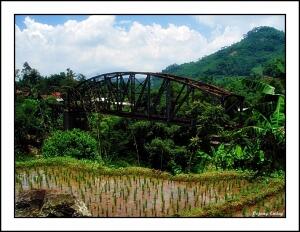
[[260, 52]]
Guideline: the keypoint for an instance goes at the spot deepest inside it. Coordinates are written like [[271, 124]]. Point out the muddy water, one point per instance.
[[128, 196]]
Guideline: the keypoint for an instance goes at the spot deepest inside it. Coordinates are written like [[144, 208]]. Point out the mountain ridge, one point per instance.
[[260, 52]]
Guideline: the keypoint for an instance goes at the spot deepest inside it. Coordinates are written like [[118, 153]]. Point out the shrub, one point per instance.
[[236, 157], [73, 143], [165, 155]]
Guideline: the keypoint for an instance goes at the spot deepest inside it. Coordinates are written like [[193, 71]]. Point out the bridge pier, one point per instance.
[[75, 120]]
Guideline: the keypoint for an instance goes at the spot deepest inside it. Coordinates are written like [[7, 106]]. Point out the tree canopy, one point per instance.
[[261, 51]]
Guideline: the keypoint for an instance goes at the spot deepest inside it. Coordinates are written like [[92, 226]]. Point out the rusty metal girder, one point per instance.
[[145, 95]]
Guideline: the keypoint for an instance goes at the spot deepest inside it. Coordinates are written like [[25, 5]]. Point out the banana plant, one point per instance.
[[271, 106], [277, 119], [264, 117], [259, 86]]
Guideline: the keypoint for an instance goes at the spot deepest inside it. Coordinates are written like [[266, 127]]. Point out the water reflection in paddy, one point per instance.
[[128, 195]]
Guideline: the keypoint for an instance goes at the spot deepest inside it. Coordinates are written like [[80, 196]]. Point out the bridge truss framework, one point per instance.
[[142, 95]]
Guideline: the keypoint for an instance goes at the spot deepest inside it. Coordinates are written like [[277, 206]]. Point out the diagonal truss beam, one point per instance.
[[131, 94]]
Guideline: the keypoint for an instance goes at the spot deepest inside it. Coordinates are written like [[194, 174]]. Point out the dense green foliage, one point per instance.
[[73, 143], [252, 140], [37, 112], [29, 80], [34, 119], [100, 169], [260, 52]]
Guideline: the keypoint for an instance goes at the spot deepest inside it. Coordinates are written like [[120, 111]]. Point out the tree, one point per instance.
[[257, 48], [257, 71], [265, 127], [111, 140], [275, 68], [31, 123], [72, 143], [69, 79], [164, 155], [210, 121], [80, 77], [30, 76], [17, 75], [70, 74]]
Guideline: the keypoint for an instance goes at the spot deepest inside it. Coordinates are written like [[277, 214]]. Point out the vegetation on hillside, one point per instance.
[[253, 140], [224, 165], [260, 53]]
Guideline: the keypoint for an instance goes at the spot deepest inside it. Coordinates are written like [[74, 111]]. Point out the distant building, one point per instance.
[[57, 96], [24, 93]]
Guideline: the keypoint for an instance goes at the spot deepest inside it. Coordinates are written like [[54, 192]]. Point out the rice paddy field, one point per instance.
[[138, 192], [272, 206]]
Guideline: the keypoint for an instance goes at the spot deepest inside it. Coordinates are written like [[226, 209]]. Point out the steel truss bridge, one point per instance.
[[143, 95]]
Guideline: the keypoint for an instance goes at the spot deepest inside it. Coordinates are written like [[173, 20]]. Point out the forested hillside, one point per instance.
[[224, 164], [260, 53]]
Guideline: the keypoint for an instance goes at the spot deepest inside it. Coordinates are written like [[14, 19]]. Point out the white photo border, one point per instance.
[[10, 8]]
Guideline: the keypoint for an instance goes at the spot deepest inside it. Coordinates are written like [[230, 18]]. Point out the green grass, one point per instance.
[[266, 188], [260, 189], [100, 169]]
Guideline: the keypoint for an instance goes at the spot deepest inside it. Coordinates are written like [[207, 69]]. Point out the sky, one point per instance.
[[96, 44]]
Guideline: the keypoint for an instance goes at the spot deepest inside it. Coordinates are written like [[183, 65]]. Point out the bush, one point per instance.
[[236, 157], [73, 143], [165, 155]]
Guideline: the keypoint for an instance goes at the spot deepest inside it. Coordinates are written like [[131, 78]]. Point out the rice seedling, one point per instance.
[[108, 195], [267, 210], [244, 212]]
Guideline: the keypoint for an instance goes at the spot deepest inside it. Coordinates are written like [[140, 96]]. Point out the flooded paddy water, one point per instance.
[[129, 195]]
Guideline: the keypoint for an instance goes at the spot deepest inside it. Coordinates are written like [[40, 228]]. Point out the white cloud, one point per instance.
[[244, 22], [228, 29], [207, 20], [99, 44]]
